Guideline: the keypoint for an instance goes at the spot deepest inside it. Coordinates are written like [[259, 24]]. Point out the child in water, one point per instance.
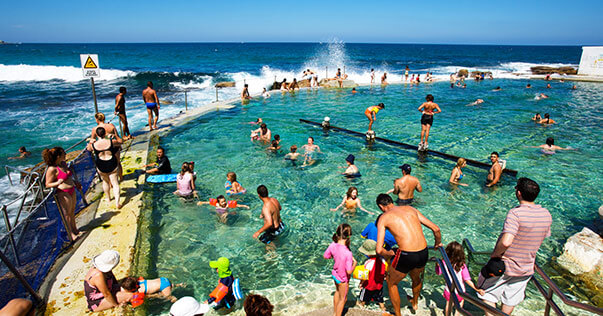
[[351, 202], [160, 287], [455, 253], [371, 113], [185, 181], [222, 206], [343, 267], [232, 186], [225, 298], [293, 155]]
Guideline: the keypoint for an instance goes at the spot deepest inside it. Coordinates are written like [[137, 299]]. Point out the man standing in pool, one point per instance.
[[271, 213], [405, 187], [404, 222], [427, 108], [149, 96], [495, 171]]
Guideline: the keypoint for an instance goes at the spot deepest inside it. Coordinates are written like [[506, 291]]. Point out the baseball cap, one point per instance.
[[223, 266], [405, 167]]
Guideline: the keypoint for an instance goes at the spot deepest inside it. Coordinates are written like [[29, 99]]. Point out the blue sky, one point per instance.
[[552, 22]]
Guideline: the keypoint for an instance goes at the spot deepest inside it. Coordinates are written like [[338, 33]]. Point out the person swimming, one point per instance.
[[351, 169], [232, 186], [350, 203], [549, 147], [546, 120], [476, 102], [293, 155], [310, 151], [222, 206], [536, 117]]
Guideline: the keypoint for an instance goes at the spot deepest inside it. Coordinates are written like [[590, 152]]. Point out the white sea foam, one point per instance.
[[22, 72]]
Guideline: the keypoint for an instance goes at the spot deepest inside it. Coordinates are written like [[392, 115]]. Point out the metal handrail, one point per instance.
[[548, 295], [455, 286]]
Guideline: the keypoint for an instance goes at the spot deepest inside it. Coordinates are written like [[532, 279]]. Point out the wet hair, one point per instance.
[[275, 143], [257, 305], [460, 162], [429, 98], [220, 197], [528, 188], [495, 154], [546, 115], [497, 88], [100, 116], [293, 148], [344, 231], [263, 125], [231, 175], [129, 284], [550, 141], [277, 137], [51, 155], [101, 132], [455, 253], [350, 190], [384, 199], [262, 191], [312, 138], [150, 84], [381, 105], [22, 149], [185, 168], [122, 89]]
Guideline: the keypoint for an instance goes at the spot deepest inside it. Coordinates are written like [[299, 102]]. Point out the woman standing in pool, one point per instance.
[[351, 202], [428, 109], [371, 114], [457, 173], [344, 265]]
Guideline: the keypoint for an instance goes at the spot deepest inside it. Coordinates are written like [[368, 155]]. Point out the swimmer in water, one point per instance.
[[536, 117], [371, 114], [546, 120], [528, 86], [274, 146], [497, 89], [549, 147], [476, 102], [222, 206], [574, 87], [351, 169], [23, 153], [541, 96], [232, 186], [262, 133], [354, 91], [293, 154], [548, 85], [457, 173], [350, 203], [310, 149]]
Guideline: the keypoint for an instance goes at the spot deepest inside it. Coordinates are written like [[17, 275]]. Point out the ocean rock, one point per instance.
[[305, 83], [545, 70], [225, 84], [583, 253], [463, 73], [601, 212], [335, 83]]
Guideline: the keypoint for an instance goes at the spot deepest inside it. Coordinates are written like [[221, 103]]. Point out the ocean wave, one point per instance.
[[14, 73]]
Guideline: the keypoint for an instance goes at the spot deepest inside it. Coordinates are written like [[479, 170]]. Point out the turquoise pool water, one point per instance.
[[185, 237]]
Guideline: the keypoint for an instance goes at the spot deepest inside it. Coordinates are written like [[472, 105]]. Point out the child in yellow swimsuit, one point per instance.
[[371, 113]]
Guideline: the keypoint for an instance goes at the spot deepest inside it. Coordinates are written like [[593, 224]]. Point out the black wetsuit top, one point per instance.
[[164, 166]]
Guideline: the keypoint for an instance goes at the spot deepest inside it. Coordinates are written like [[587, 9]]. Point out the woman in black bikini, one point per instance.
[[107, 163]]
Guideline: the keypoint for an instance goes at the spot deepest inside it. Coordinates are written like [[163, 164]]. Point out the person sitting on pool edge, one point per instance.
[[222, 206], [351, 170], [161, 166]]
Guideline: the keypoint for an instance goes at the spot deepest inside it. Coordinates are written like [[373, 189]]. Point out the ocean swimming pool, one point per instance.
[[181, 238]]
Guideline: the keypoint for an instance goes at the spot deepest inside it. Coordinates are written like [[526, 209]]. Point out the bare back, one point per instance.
[[405, 187], [273, 207], [429, 107], [404, 223], [149, 96]]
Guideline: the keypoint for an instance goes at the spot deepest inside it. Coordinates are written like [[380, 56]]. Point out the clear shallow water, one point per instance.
[[186, 237]]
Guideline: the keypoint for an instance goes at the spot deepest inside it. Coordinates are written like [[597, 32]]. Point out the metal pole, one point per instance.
[[94, 95], [185, 101], [10, 234], [20, 277], [326, 72]]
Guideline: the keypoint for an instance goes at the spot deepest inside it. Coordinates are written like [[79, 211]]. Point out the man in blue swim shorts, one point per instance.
[[149, 96], [271, 213]]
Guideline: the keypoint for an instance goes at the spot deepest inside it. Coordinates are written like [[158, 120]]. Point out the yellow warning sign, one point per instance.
[[90, 64]]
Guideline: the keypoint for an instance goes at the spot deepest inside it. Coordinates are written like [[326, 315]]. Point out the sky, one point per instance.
[[552, 22]]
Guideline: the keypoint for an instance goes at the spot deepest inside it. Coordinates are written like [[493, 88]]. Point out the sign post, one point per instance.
[[91, 69]]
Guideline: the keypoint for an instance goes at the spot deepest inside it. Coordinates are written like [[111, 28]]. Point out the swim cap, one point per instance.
[[223, 266], [350, 158]]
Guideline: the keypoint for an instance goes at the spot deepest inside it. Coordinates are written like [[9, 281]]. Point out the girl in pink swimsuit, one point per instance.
[[60, 177]]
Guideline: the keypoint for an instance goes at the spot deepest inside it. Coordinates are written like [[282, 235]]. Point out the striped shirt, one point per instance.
[[530, 225]]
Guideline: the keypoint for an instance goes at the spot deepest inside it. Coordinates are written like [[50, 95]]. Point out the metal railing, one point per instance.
[[553, 289]]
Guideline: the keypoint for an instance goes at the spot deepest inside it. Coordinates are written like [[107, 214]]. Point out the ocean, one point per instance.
[[46, 102]]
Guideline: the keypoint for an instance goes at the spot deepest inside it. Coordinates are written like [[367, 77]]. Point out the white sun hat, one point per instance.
[[327, 118], [188, 306], [106, 261]]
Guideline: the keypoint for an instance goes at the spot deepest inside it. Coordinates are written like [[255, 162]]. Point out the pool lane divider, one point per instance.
[[440, 154]]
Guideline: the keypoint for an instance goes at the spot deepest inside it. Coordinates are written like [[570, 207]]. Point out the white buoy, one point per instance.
[[370, 135]]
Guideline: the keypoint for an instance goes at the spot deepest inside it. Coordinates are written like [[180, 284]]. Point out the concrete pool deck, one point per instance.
[[108, 228]]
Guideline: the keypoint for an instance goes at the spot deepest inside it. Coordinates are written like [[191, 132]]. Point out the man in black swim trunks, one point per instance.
[[404, 222], [406, 186], [271, 213]]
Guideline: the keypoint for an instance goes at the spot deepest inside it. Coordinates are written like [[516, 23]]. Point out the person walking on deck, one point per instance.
[[149, 96]]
